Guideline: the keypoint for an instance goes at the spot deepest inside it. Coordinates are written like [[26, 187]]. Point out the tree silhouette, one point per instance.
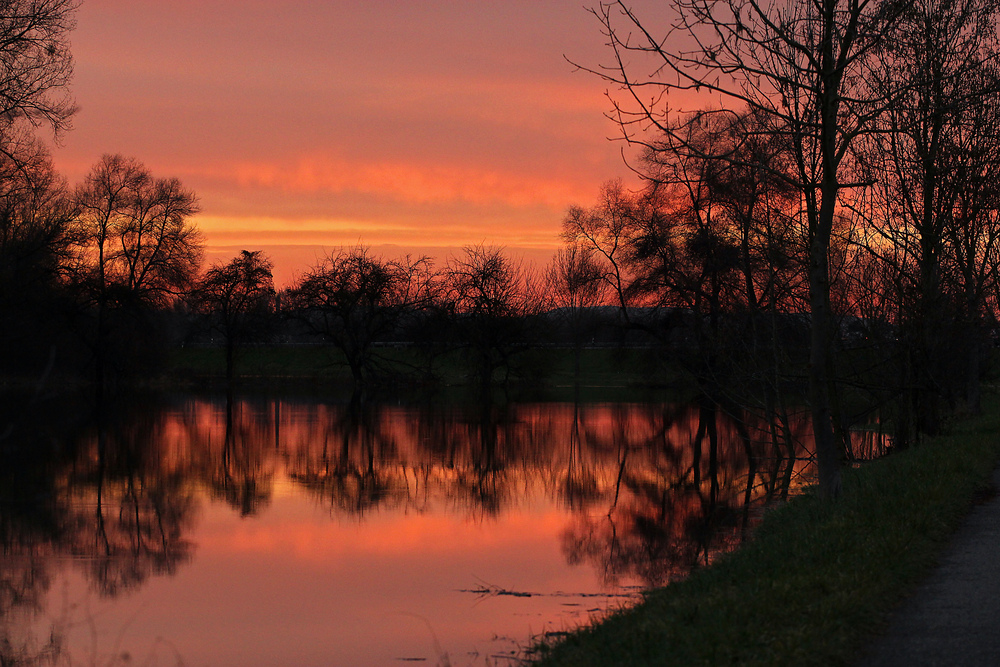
[[802, 67], [354, 299], [490, 300], [933, 167], [604, 231], [35, 70], [238, 299], [35, 239], [576, 285], [137, 248], [35, 63]]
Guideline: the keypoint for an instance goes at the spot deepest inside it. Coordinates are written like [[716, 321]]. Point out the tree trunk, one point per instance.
[[827, 458], [821, 228], [820, 351]]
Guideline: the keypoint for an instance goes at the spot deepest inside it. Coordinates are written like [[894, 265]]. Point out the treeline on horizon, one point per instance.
[[105, 279], [836, 228]]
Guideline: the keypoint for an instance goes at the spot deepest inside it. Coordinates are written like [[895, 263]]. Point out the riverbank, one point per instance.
[[818, 580]]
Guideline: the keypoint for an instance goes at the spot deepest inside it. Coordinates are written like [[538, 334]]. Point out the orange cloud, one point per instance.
[[529, 232], [412, 182]]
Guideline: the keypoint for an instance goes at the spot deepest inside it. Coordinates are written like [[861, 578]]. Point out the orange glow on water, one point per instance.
[[298, 531], [313, 540]]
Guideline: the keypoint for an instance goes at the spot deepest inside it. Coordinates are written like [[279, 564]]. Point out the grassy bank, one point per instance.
[[818, 579]]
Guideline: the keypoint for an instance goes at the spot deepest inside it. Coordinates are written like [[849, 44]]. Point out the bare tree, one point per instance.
[[933, 182], [238, 298], [137, 247], [734, 185], [135, 234], [576, 284], [355, 299], [491, 299], [801, 64], [35, 217], [35, 70], [974, 236], [35, 62], [720, 238], [604, 230]]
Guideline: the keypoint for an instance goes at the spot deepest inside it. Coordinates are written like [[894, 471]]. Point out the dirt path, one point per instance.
[[954, 617]]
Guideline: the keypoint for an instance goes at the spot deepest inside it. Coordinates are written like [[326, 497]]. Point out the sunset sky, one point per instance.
[[304, 126]]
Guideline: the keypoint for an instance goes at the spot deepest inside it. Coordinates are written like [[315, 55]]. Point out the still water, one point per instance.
[[199, 531]]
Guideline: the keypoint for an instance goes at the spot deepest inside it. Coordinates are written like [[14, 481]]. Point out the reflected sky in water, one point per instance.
[[295, 531]]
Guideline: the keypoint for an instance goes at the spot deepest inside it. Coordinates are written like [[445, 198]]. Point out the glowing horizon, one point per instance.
[[304, 128]]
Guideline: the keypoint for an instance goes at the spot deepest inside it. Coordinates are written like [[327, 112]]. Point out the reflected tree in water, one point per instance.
[[651, 488], [26, 563], [682, 488], [130, 506], [242, 473], [36, 438], [354, 468], [484, 481], [578, 484]]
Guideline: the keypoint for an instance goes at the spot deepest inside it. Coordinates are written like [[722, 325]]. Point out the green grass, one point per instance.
[[600, 368], [818, 579]]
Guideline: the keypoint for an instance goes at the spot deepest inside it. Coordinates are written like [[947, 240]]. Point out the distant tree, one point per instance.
[[354, 299], [492, 301], [137, 248], [237, 298], [576, 285], [604, 231], [575, 278]]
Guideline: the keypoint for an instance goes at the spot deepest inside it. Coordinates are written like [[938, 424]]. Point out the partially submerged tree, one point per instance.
[[237, 298], [802, 66]]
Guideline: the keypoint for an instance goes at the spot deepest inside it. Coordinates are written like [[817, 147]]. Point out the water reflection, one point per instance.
[[126, 508], [643, 492], [242, 472]]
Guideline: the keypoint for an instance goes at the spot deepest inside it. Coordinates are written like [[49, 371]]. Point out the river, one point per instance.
[[190, 529]]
